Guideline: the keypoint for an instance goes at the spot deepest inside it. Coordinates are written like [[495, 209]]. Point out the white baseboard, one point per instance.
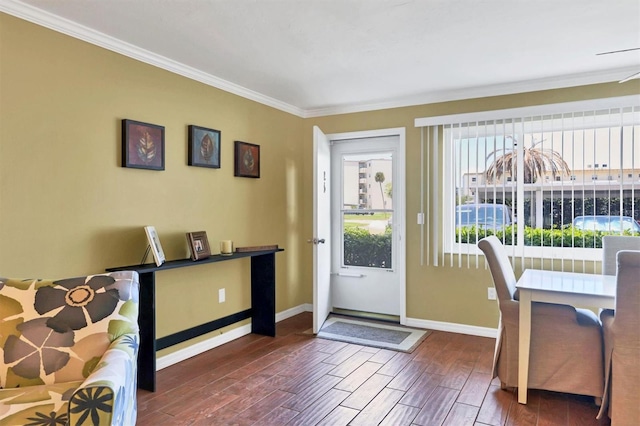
[[453, 327], [214, 342], [305, 307]]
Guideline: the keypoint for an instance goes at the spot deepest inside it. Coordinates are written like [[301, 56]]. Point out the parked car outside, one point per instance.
[[488, 216], [606, 223]]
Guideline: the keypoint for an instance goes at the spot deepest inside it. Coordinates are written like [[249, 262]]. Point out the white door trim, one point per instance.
[[401, 201]]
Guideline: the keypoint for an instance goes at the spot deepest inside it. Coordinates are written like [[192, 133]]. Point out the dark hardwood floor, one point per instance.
[[296, 379]]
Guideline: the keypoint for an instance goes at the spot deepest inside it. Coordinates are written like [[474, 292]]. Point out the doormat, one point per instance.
[[372, 333]]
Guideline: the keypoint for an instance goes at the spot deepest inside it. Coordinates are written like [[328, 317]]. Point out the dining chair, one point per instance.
[[566, 343], [622, 344], [611, 245]]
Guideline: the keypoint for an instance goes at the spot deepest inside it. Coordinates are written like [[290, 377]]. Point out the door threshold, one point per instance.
[[368, 315]]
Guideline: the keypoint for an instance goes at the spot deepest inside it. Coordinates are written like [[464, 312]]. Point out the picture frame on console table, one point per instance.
[[142, 145], [199, 245], [154, 245], [204, 147], [247, 160]]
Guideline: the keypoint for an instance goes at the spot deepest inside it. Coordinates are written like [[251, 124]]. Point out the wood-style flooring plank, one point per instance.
[[444, 360], [552, 410], [350, 364], [318, 411], [524, 415], [382, 356], [202, 410], [495, 406], [339, 416], [461, 415], [365, 393], [343, 354], [177, 405], [418, 394], [400, 415], [306, 397], [579, 413], [358, 377], [409, 374], [437, 407], [396, 364], [267, 404], [278, 417], [258, 380], [378, 408], [331, 347], [458, 374], [474, 390], [308, 377], [484, 363]]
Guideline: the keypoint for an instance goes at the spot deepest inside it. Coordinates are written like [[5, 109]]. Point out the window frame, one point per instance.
[[449, 187]]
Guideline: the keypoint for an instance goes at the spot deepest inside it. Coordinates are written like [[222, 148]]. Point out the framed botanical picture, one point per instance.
[[247, 160], [142, 145], [204, 147], [154, 244], [199, 245]]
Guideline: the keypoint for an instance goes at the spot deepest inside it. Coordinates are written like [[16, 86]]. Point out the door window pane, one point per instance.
[[367, 210]]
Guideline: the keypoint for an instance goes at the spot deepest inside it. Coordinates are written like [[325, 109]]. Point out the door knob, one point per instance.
[[316, 241]]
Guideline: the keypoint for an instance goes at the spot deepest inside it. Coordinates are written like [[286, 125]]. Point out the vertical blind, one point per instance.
[[548, 181]]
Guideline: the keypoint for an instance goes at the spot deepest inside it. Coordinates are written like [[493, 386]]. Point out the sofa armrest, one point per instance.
[[108, 395]]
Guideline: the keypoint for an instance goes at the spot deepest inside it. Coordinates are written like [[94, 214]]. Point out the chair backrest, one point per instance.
[[627, 322], [504, 279], [611, 245]]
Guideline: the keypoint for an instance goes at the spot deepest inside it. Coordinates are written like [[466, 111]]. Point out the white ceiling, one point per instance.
[[318, 57]]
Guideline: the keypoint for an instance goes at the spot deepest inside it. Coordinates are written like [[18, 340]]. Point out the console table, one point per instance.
[[262, 311]]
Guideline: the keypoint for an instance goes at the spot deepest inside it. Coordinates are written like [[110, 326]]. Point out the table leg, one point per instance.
[[263, 294], [147, 325], [524, 343]]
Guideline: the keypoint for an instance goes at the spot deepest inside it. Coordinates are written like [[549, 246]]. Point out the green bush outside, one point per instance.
[[536, 237], [364, 249]]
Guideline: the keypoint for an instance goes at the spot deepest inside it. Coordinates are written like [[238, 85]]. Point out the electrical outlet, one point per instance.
[[491, 293], [221, 295]]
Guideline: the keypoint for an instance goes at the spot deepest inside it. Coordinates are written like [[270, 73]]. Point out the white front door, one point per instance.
[[321, 239], [367, 222]]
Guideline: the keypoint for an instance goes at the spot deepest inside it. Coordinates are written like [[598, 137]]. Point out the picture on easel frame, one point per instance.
[[199, 245], [154, 244]]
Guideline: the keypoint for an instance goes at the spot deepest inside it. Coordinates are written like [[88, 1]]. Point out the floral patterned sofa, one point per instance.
[[68, 350]]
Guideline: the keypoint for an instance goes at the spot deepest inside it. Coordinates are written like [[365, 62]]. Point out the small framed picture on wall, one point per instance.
[[204, 147], [142, 145], [247, 160]]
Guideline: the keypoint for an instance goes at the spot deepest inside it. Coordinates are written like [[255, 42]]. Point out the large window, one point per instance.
[[548, 181]]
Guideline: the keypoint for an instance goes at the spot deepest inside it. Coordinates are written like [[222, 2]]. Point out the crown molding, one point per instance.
[[81, 32], [558, 82]]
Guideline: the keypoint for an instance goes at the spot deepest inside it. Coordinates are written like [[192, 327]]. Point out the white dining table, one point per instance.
[[567, 288]]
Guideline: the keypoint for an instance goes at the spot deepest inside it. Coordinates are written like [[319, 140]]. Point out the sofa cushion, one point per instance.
[[36, 405], [57, 331]]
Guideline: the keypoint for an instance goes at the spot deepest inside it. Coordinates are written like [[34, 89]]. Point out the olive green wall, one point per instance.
[[456, 295], [67, 207]]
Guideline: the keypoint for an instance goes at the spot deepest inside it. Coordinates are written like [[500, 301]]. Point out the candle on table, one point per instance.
[[226, 247]]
